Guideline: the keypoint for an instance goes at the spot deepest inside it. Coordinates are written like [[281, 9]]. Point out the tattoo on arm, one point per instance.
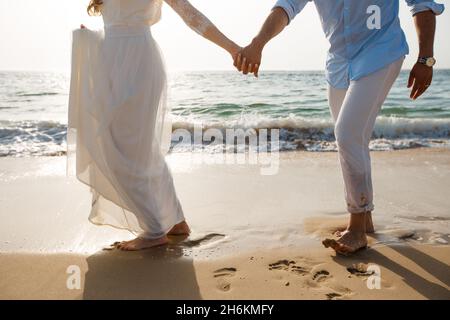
[[191, 16]]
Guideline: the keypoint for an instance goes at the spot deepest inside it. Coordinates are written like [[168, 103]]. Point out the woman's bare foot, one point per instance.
[[141, 244], [181, 229], [349, 242]]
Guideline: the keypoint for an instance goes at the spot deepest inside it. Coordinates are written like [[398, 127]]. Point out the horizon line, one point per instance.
[[198, 70]]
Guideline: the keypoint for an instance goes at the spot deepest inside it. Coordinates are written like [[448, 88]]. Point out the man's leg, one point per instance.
[[336, 98], [354, 127]]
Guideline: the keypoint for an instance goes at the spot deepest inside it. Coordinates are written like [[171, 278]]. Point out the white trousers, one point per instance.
[[354, 111]]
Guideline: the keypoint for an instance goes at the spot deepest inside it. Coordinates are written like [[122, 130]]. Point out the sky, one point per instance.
[[36, 35]]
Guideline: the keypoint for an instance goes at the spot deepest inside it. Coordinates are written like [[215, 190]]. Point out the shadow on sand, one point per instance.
[[161, 273], [436, 268]]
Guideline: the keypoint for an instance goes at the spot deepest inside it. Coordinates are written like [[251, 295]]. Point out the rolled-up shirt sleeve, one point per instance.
[[292, 7], [417, 6]]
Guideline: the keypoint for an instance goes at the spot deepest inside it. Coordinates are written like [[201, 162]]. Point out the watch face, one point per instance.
[[431, 62]]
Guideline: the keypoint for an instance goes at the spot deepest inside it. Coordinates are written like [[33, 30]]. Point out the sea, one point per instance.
[[34, 105]]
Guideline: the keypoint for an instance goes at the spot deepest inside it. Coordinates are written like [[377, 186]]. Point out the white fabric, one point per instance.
[[118, 118], [355, 110], [131, 12]]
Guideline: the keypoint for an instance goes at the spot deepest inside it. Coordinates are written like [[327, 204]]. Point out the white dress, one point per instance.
[[118, 121]]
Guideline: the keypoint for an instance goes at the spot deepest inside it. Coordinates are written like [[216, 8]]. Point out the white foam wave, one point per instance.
[[386, 127]]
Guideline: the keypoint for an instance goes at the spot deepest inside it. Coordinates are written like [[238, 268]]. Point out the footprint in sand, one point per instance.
[[360, 270], [290, 266], [293, 267], [222, 275], [323, 279], [225, 272], [316, 277], [321, 276], [339, 295], [339, 292], [333, 296]]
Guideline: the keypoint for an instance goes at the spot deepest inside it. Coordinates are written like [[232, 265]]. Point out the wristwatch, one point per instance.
[[428, 61]]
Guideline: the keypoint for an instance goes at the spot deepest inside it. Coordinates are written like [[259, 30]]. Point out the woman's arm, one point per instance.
[[200, 24]]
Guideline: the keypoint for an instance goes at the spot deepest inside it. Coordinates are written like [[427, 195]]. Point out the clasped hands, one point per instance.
[[248, 60]]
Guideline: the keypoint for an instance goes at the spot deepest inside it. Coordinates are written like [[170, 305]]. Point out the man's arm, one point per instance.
[[421, 75], [249, 59]]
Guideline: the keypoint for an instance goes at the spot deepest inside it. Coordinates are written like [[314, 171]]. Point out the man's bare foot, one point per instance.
[[349, 242], [141, 244], [181, 229]]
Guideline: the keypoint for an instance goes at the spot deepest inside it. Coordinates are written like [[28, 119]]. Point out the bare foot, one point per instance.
[[349, 242], [141, 244], [181, 229]]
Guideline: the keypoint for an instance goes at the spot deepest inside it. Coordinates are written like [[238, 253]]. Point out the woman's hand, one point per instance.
[[234, 50]]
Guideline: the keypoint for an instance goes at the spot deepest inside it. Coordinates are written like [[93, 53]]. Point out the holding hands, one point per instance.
[[248, 60]]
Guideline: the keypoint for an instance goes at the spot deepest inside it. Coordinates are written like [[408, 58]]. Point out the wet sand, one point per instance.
[[405, 271], [255, 236]]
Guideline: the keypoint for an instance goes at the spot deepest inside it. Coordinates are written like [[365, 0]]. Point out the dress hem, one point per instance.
[[136, 233]]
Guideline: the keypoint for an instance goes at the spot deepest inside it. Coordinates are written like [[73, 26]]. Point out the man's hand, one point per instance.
[[422, 75], [249, 59], [420, 79]]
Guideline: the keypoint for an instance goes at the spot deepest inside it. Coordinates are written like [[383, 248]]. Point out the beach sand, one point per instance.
[[254, 236]]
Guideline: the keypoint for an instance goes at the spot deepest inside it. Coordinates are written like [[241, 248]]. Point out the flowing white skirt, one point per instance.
[[119, 132]]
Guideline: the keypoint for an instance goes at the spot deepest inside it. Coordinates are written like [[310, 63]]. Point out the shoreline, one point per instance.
[[207, 153]]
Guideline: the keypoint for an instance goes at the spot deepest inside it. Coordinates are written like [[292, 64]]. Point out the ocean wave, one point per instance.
[[48, 138], [32, 138], [317, 134], [385, 128]]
